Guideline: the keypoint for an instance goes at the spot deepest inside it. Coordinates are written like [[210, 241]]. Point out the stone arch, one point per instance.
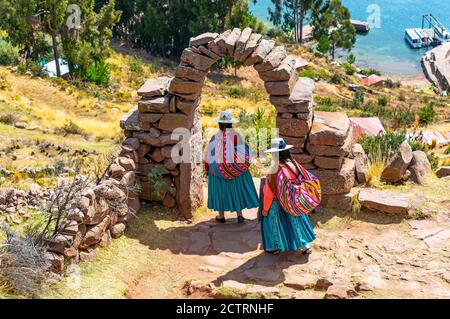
[[168, 103]]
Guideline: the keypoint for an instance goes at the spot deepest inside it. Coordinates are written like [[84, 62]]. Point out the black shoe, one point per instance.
[[307, 251], [241, 219], [221, 220], [274, 252]]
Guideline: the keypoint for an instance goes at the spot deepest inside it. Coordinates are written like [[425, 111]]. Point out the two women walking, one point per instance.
[[288, 195]]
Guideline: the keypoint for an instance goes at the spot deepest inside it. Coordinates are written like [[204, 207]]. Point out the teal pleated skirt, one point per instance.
[[231, 195], [280, 230]]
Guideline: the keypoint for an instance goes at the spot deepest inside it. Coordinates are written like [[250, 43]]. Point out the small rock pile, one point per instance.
[[407, 165], [18, 201]]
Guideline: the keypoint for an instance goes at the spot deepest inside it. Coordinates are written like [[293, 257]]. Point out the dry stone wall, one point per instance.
[[100, 214], [322, 141]]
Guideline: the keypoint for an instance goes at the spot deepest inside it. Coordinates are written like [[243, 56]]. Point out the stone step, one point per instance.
[[384, 201]]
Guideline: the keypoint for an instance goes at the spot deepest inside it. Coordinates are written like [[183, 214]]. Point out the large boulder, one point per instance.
[[395, 170], [420, 167]]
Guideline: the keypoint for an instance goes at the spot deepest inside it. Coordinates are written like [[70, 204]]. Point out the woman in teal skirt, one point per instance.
[[230, 184], [280, 230]]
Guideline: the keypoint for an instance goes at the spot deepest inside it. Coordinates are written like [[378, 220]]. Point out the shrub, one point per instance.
[[358, 98], [434, 160], [427, 114], [447, 150], [135, 65], [308, 73], [337, 78], [349, 70], [24, 267], [8, 119], [32, 67], [379, 149], [70, 127], [98, 73], [403, 117], [371, 109], [208, 109], [381, 146], [369, 72], [9, 54], [383, 100], [254, 93], [325, 104], [351, 59], [236, 92]]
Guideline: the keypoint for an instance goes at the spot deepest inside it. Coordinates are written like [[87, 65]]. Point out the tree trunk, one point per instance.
[[302, 19], [56, 54]]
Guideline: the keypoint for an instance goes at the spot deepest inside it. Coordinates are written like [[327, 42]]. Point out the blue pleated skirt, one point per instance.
[[280, 230], [231, 195]]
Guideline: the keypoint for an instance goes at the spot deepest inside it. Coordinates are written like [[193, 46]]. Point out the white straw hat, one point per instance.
[[225, 117], [279, 145]]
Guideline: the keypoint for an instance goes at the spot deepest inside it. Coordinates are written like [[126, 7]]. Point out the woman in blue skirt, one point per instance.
[[280, 230], [230, 184]]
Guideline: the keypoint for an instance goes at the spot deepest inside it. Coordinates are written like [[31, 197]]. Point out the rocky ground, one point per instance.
[[366, 255]]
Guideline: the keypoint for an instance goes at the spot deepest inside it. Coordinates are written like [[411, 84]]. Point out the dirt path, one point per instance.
[[376, 255]]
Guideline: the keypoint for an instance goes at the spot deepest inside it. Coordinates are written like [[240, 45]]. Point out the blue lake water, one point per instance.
[[384, 48]]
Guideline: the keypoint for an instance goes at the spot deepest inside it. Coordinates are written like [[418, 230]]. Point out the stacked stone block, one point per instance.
[[330, 146]]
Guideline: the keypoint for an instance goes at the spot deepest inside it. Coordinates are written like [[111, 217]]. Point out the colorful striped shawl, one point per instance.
[[299, 195], [228, 155]]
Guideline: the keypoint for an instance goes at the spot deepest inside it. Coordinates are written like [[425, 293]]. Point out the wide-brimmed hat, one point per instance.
[[225, 117], [279, 145]]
